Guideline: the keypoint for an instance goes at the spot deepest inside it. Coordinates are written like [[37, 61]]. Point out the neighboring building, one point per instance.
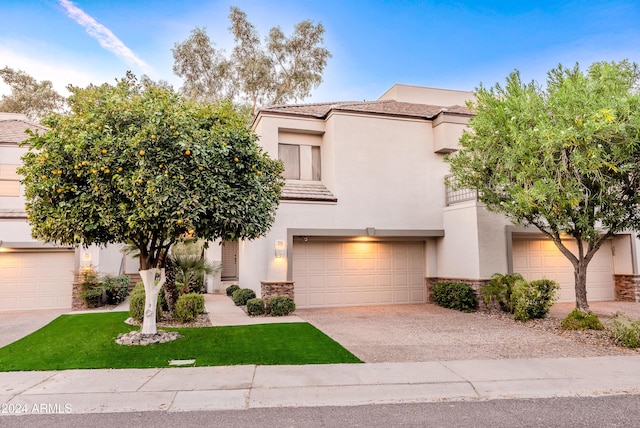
[[366, 217]]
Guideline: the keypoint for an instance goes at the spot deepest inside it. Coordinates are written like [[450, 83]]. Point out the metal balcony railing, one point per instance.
[[453, 195]]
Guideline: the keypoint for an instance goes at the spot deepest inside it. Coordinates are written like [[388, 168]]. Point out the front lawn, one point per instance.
[[87, 341]]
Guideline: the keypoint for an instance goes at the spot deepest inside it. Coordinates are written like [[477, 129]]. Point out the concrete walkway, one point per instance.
[[251, 386]]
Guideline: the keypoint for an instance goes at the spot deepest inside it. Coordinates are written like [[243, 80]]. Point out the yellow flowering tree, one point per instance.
[[137, 163]]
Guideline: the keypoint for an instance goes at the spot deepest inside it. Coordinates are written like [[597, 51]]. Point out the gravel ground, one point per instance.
[[405, 333]]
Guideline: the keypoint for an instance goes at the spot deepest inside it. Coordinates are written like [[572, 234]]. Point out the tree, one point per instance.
[[138, 164], [285, 69], [28, 96], [565, 159]]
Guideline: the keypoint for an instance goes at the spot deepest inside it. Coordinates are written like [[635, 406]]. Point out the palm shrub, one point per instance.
[[281, 305], [171, 293], [454, 295], [190, 266], [188, 307]]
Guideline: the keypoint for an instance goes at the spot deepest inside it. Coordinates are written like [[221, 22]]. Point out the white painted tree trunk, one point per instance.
[[151, 291]]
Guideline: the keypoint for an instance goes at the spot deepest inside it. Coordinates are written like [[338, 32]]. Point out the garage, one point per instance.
[[540, 258], [357, 273], [36, 280]]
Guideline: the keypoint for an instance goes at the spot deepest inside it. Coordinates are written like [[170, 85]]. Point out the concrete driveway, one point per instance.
[[403, 333]]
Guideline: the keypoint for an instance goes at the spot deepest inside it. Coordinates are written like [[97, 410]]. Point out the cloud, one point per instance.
[[103, 35]]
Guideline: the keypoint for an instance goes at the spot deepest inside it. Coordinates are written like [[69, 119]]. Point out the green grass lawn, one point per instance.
[[87, 341]]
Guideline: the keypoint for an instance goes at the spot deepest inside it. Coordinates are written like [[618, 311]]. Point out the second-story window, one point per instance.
[[9, 180], [301, 162]]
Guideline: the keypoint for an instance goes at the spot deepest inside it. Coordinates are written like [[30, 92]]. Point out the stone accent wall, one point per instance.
[[77, 304], [627, 288], [474, 283], [276, 288]]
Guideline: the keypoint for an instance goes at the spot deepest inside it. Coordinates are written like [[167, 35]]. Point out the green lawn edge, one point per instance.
[[87, 341]]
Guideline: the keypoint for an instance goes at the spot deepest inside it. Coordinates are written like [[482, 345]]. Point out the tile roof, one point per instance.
[[306, 191], [13, 127], [386, 107]]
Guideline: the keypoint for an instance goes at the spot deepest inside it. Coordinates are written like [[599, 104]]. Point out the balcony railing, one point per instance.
[[453, 195]]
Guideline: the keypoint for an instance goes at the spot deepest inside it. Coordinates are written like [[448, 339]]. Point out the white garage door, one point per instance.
[[358, 273], [536, 259], [42, 280]]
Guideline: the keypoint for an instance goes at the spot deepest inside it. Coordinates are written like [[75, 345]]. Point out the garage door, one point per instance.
[[358, 273], [42, 280], [536, 259]]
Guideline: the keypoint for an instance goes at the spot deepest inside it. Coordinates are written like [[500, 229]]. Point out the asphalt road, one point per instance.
[[601, 412]]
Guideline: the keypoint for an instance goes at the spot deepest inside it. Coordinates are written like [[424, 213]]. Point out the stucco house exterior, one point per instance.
[[366, 216]]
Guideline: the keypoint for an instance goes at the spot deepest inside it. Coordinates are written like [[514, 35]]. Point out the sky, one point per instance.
[[374, 44]]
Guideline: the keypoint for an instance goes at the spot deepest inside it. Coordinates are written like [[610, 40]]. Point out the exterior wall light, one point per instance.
[[280, 248]]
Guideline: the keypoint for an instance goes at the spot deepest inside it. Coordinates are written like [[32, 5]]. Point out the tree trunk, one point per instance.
[[151, 291], [580, 274]]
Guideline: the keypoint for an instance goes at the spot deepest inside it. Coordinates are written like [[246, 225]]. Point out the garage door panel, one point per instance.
[[536, 259], [367, 273], [36, 280]]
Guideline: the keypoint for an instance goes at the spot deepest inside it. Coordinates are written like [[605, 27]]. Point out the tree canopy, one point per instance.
[[28, 96], [281, 70], [137, 163], [565, 158]]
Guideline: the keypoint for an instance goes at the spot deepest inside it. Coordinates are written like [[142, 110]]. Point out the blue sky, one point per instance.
[[451, 44]]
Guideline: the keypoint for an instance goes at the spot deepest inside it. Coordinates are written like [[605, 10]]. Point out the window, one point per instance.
[[301, 162], [9, 180]]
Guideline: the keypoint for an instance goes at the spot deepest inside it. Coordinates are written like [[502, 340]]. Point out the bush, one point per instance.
[[281, 305], [92, 297], [188, 307], [255, 307], [454, 295], [624, 330], [90, 289], [499, 289], [231, 289], [241, 296], [136, 303], [533, 299], [577, 320], [116, 288]]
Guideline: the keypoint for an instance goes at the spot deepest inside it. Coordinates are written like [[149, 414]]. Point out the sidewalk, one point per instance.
[[251, 386], [245, 387]]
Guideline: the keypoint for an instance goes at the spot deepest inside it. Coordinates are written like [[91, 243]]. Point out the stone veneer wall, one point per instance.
[[474, 283], [627, 288], [276, 288]]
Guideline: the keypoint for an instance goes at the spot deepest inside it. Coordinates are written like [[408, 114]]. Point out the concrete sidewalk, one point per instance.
[[245, 387]]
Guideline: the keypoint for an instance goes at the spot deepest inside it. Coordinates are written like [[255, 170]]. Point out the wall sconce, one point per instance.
[[280, 249], [86, 257]]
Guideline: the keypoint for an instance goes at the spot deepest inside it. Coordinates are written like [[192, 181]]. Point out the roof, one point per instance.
[[13, 127], [305, 191], [384, 107]]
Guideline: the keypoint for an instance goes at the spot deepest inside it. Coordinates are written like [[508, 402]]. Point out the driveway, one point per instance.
[[413, 333]]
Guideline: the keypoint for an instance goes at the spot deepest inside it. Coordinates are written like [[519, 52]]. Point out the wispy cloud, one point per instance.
[[103, 35]]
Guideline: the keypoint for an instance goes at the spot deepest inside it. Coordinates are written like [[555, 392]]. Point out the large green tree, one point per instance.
[[137, 163], [565, 158], [28, 96], [283, 69]]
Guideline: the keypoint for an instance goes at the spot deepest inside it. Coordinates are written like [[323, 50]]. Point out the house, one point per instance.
[[34, 275], [366, 217]]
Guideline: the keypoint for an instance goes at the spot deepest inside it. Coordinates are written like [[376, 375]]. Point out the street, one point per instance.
[[605, 411]]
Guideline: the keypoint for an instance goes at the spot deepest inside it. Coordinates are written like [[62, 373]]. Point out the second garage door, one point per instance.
[[358, 273], [540, 258]]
